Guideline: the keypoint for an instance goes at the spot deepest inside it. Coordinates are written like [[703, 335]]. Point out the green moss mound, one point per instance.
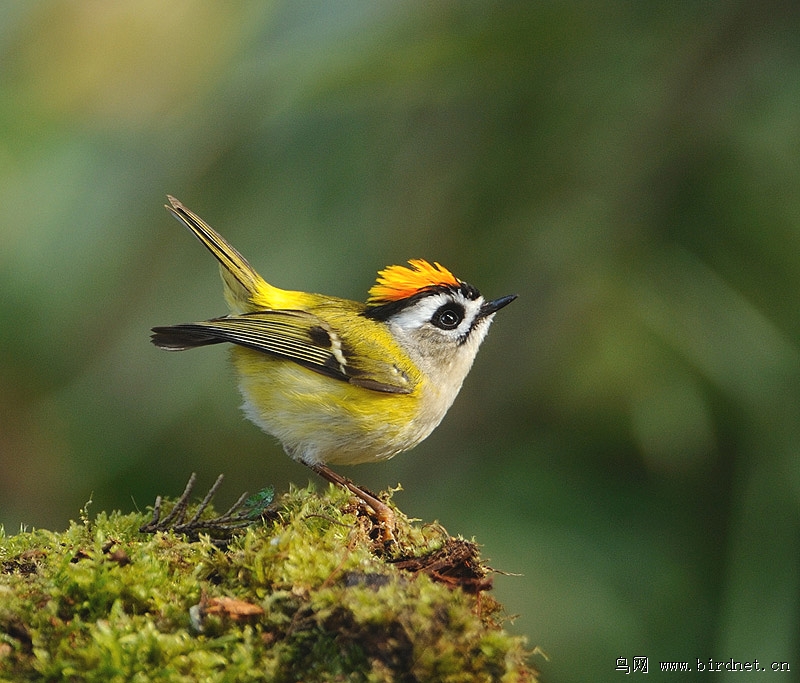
[[302, 595]]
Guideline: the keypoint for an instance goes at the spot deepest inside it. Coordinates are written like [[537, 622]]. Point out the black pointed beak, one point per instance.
[[491, 307]]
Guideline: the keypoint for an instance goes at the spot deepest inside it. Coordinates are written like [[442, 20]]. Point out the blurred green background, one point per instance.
[[628, 439]]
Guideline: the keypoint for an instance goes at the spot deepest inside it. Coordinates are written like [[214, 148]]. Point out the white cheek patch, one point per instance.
[[471, 310]]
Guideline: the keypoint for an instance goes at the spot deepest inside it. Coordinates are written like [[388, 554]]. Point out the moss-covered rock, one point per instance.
[[305, 594]]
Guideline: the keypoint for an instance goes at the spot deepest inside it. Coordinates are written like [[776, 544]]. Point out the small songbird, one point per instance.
[[338, 381]]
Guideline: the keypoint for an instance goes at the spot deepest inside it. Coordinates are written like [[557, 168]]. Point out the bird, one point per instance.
[[339, 381]]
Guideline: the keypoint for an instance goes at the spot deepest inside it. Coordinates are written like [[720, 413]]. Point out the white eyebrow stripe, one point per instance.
[[421, 311]]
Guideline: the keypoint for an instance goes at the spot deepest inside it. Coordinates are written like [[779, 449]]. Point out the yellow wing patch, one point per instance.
[[400, 282], [296, 336]]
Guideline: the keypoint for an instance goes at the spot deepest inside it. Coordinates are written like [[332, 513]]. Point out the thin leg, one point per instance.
[[383, 512]]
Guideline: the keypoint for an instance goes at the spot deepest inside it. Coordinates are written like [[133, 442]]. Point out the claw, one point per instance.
[[383, 513]]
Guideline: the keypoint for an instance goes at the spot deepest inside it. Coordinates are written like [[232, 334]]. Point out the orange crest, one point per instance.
[[400, 282]]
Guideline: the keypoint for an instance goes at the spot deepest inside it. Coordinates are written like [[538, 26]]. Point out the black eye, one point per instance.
[[448, 317]]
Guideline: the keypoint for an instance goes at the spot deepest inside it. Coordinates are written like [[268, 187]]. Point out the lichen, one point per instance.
[[305, 594]]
